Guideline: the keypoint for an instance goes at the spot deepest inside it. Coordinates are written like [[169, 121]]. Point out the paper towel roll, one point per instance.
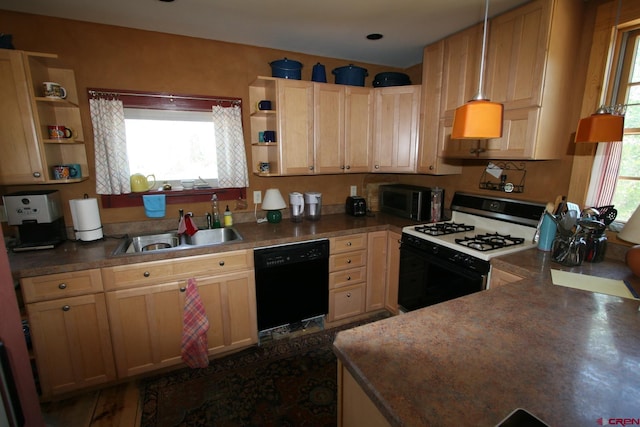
[[86, 219]]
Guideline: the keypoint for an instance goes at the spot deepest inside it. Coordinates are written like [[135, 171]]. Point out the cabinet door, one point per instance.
[[345, 302], [71, 342], [295, 112], [393, 271], [377, 270], [20, 159], [396, 128], [460, 69], [431, 146], [516, 55], [358, 129], [329, 127], [146, 327], [230, 303]]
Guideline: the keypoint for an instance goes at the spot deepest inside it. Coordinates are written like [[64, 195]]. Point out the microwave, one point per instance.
[[412, 201]]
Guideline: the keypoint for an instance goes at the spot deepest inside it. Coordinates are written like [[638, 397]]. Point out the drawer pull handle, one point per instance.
[[62, 286], [348, 243], [221, 263], [66, 307], [348, 261], [348, 294], [348, 277], [183, 289], [146, 274]]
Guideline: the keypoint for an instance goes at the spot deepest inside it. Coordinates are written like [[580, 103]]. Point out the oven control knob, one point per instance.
[[435, 249]]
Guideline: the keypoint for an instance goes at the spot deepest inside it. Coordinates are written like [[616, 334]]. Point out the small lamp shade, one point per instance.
[[631, 230], [600, 127], [272, 203], [478, 119]]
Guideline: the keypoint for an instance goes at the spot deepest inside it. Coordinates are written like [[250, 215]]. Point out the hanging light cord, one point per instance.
[[480, 96]]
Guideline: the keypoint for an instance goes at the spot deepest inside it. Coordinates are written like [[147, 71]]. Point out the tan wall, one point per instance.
[[120, 58]]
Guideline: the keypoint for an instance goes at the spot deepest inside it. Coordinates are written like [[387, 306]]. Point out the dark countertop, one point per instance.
[[568, 356], [74, 255]]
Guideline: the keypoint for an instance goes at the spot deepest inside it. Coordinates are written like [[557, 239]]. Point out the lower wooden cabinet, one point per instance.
[[393, 271], [377, 255], [71, 343], [146, 322], [501, 277], [355, 408]]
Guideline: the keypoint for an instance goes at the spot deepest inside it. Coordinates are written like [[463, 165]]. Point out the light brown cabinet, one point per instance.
[[377, 256], [146, 302], [347, 276], [27, 154], [355, 408], [502, 277], [530, 64], [450, 70], [342, 128], [291, 118], [397, 113], [70, 331], [393, 271]]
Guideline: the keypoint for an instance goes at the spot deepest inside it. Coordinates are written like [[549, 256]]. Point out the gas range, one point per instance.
[[482, 227]]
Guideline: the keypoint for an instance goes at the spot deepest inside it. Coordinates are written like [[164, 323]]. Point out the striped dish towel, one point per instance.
[[194, 329]]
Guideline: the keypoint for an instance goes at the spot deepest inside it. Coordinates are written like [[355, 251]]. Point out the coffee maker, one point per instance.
[[39, 218]]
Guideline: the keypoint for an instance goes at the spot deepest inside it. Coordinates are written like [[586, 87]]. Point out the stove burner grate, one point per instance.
[[489, 241], [442, 228]]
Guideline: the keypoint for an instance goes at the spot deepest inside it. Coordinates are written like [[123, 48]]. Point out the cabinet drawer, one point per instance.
[[53, 286], [347, 277], [155, 272], [346, 302], [347, 260], [348, 243]]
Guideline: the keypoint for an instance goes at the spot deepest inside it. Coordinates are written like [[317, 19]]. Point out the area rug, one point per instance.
[[286, 382]]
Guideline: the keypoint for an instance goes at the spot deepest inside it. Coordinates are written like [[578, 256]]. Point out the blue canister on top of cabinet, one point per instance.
[[319, 74]]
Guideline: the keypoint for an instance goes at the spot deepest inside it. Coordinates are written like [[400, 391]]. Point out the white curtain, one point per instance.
[[232, 158], [109, 136], [604, 174]]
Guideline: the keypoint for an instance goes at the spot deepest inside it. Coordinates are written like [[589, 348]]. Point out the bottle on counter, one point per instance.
[[228, 217], [215, 211]]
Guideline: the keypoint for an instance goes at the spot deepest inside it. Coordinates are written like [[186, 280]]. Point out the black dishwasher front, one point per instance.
[[292, 282]]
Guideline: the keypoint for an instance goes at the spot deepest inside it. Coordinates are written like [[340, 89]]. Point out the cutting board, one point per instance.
[[591, 283]]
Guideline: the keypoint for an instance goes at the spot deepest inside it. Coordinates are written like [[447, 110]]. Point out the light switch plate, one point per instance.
[[257, 197], [354, 190]]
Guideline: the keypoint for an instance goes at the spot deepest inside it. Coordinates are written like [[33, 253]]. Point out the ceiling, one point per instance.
[[332, 28]]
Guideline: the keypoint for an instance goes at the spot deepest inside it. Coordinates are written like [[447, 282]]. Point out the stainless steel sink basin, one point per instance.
[[173, 241], [213, 236]]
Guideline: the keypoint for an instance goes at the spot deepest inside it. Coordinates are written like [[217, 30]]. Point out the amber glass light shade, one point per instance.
[[479, 119], [600, 128]]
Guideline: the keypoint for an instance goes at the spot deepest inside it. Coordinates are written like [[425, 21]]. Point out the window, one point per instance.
[[627, 87], [172, 145]]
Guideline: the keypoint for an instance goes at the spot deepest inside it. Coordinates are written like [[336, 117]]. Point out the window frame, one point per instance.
[[175, 102]]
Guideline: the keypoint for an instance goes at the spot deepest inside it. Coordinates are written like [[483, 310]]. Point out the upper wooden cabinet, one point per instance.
[[27, 154], [450, 70], [342, 128], [529, 69], [397, 112]]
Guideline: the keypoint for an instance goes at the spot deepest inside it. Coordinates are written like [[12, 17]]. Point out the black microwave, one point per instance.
[[412, 201]]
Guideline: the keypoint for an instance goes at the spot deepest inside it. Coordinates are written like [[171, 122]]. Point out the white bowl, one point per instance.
[[188, 183]]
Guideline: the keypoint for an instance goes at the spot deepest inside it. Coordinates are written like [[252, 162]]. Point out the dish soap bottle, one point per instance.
[[216, 213], [228, 218]]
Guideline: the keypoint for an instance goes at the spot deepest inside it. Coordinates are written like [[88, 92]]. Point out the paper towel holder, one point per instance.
[[85, 214]]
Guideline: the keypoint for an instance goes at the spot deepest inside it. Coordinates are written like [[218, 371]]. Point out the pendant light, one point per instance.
[[479, 118], [607, 123]]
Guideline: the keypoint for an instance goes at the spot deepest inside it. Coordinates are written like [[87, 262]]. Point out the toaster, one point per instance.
[[356, 206]]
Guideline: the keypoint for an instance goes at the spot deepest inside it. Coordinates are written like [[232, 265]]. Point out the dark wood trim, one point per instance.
[[167, 101], [172, 197]]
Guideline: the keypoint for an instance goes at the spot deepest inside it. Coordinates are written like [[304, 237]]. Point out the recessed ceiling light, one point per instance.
[[375, 36]]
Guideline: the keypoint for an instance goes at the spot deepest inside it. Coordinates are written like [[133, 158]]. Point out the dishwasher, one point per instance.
[[292, 283]]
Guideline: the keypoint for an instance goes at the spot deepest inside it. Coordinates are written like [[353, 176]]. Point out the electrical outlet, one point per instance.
[[257, 197], [354, 190]]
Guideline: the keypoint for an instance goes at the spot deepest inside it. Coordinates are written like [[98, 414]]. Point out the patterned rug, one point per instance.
[[285, 382]]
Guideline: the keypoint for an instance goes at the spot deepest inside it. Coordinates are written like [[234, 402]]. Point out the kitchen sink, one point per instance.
[[214, 236], [173, 241]]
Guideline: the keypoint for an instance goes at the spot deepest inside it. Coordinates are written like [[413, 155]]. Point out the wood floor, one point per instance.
[[117, 406]]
